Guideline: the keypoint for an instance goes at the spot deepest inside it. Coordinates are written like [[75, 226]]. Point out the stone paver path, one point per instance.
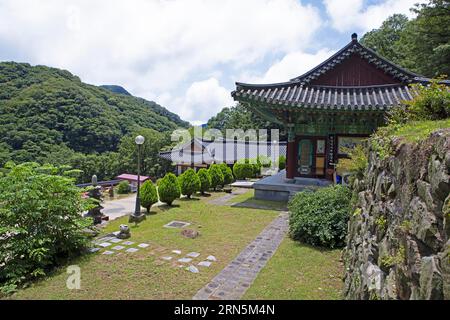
[[232, 282]]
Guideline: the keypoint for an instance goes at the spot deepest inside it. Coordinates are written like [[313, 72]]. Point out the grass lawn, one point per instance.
[[299, 272], [225, 231]]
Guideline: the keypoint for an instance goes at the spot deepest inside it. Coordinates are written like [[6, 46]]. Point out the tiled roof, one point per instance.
[[290, 95]]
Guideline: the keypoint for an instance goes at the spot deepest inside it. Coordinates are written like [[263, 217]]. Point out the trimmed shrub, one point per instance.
[[320, 218], [228, 177], [168, 189], [205, 180], [216, 176], [243, 171], [123, 187], [189, 182], [40, 224], [148, 194], [282, 163]]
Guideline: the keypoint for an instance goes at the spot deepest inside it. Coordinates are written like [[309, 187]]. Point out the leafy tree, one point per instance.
[[123, 187], [227, 173], [40, 223], [243, 170], [216, 176], [168, 189], [282, 163], [205, 180], [148, 195], [189, 182], [384, 40]]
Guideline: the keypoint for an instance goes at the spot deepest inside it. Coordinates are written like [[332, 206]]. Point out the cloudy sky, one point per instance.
[[185, 54]]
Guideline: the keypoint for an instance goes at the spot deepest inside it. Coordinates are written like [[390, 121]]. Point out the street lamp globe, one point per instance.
[[139, 140]]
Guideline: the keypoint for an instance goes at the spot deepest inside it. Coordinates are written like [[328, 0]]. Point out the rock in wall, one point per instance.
[[398, 236]]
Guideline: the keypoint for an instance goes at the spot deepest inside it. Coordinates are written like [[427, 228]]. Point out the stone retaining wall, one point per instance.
[[398, 241]]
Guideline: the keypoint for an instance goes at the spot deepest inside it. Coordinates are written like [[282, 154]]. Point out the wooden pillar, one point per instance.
[[291, 153]]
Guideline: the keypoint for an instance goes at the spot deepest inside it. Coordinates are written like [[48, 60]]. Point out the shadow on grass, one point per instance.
[[188, 199], [253, 203], [165, 207], [203, 195]]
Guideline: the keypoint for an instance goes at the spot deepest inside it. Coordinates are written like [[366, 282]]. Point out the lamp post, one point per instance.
[[137, 216]]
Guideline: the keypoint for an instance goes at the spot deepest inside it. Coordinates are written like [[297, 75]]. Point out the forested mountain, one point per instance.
[[42, 107], [116, 89]]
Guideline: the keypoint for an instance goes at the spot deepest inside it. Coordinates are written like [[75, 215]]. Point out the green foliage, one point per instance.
[[243, 171], [189, 182], [389, 261], [148, 195], [169, 189], [357, 163], [217, 178], [123, 187], [422, 44], [432, 102], [282, 163], [40, 223], [320, 218], [227, 173], [205, 180], [381, 222]]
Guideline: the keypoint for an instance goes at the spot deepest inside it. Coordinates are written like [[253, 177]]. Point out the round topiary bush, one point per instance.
[[123, 187], [168, 189], [216, 176], [189, 183], [243, 171], [320, 218], [148, 195], [205, 180], [228, 177]]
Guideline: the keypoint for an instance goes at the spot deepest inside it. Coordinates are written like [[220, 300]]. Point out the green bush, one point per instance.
[[123, 187], [40, 224], [282, 163], [357, 163], [205, 180], [189, 182], [148, 195], [228, 177], [243, 171], [216, 176], [320, 218], [168, 189]]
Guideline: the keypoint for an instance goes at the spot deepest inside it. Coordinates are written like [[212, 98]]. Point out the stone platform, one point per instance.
[[278, 188]]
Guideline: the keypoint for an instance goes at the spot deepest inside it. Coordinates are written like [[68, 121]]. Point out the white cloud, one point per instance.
[[154, 48], [292, 65], [352, 15], [204, 99]]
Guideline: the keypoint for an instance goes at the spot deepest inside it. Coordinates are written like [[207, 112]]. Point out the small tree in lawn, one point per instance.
[[216, 176], [227, 173], [148, 194], [168, 189], [205, 180], [189, 183]]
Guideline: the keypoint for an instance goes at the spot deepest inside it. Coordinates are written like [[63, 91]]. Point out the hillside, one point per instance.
[[116, 89], [42, 107]]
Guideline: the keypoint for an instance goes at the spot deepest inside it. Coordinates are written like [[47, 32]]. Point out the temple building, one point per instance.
[[331, 107]]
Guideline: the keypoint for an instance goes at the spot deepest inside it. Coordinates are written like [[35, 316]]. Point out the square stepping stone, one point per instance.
[[211, 258], [167, 258], [205, 264], [105, 239], [93, 250], [193, 254], [108, 252], [115, 240], [127, 243], [143, 245], [104, 244], [118, 247], [131, 250], [185, 260], [176, 251], [193, 269]]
